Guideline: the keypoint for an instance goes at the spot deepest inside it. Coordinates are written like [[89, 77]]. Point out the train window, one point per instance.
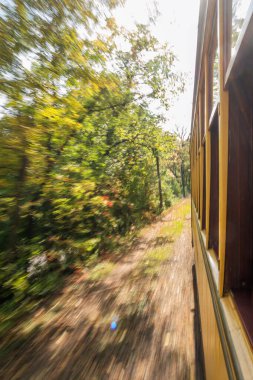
[[213, 69], [197, 128], [239, 236], [195, 171], [214, 186], [239, 12], [215, 78], [199, 125], [199, 145], [236, 12], [202, 112], [204, 189], [199, 181]]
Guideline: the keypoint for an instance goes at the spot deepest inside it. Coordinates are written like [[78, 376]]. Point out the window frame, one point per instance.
[[232, 62]]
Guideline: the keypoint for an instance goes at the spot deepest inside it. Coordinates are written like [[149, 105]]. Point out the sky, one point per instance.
[[177, 25]]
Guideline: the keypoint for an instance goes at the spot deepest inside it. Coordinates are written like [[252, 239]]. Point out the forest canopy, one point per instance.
[[84, 154]]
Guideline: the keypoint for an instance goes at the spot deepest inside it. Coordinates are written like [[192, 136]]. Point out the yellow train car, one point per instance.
[[222, 186]]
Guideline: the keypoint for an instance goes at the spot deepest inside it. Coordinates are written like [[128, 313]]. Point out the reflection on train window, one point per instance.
[[202, 112], [204, 189], [239, 12], [197, 161], [197, 130], [214, 186], [215, 78], [213, 71]]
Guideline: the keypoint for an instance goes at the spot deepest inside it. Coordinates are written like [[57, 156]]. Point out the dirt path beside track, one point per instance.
[[149, 294]]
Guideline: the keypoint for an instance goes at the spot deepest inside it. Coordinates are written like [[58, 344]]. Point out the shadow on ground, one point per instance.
[[72, 339], [91, 350]]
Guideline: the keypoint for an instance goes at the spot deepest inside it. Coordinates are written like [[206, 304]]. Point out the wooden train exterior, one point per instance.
[[222, 186]]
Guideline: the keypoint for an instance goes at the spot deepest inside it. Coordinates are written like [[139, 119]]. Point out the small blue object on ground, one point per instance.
[[113, 325]]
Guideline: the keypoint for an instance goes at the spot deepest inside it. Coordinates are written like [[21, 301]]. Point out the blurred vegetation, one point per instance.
[[162, 250], [84, 157], [101, 270]]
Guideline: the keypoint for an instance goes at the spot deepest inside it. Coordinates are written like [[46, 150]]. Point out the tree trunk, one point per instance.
[[183, 180], [159, 179]]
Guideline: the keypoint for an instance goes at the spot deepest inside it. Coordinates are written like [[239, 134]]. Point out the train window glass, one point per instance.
[[202, 112], [235, 14], [239, 235], [239, 12], [214, 185], [196, 167], [196, 171], [199, 145], [215, 78], [194, 160], [199, 196], [197, 161], [213, 69], [204, 189], [197, 129]]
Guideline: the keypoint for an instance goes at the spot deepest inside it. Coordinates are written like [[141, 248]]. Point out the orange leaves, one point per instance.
[[107, 201]]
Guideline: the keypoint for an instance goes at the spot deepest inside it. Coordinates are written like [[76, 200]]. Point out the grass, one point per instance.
[[172, 229], [11, 313], [183, 210], [151, 263], [100, 271]]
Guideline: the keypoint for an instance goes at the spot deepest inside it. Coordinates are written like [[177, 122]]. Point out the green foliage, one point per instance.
[[179, 164], [45, 285], [79, 140]]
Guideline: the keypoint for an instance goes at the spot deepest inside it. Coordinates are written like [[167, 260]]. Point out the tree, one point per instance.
[[80, 140], [179, 164]]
